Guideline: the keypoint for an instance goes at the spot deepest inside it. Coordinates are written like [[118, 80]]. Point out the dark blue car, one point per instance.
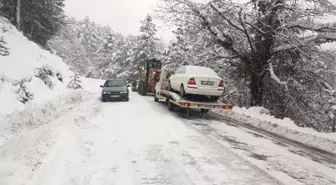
[[115, 89]]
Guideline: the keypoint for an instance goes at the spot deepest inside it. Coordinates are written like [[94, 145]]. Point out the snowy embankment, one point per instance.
[[36, 115], [28, 74], [259, 117], [33, 85]]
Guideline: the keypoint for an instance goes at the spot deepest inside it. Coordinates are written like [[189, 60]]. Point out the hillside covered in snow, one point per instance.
[[28, 73]]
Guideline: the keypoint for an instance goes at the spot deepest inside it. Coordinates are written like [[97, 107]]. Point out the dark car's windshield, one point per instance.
[[115, 83]]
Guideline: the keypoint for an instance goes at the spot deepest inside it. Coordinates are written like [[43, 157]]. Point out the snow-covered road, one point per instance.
[[140, 142]]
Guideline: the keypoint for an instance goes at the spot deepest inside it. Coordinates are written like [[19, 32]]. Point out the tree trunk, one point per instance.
[[256, 87], [18, 14], [334, 125]]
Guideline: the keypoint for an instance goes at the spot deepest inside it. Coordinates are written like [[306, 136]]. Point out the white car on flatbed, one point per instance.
[[196, 80], [174, 100]]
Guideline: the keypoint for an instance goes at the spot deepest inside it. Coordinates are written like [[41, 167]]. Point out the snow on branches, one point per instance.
[[256, 44]]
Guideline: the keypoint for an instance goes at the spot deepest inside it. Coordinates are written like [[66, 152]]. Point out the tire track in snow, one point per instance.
[[47, 143], [282, 170], [273, 162], [210, 160]]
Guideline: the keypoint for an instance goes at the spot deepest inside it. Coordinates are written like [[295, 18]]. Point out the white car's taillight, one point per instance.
[[191, 81], [221, 83]]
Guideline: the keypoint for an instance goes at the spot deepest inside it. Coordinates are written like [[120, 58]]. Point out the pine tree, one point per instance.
[[145, 45], [38, 19], [75, 83], [67, 44], [3, 49], [147, 40]]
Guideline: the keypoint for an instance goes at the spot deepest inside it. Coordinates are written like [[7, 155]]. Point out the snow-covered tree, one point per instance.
[[147, 41], [38, 19], [179, 51], [3, 49], [75, 82], [67, 44], [271, 47], [18, 13]]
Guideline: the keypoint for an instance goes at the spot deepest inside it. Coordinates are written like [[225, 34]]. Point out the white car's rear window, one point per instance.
[[201, 71]]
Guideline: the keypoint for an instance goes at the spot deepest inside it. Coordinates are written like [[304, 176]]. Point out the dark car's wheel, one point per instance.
[[103, 99], [127, 99]]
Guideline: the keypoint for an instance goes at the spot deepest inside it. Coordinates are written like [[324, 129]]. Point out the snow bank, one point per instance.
[[92, 85], [28, 73], [259, 117], [35, 115]]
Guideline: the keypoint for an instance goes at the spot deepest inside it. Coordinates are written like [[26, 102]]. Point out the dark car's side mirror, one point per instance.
[[128, 85], [101, 86]]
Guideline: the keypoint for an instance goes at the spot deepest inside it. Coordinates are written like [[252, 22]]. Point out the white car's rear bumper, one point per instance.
[[204, 91]]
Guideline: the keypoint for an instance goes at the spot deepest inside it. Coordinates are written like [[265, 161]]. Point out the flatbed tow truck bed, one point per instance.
[[174, 100]]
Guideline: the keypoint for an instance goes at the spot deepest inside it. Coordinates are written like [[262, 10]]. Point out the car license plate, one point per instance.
[[207, 82], [115, 96], [207, 106]]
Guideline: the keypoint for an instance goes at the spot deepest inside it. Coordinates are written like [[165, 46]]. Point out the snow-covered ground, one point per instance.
[[32, 67], [35, 115], [84, 141], [288, 164], [92, 85], [259, 118]]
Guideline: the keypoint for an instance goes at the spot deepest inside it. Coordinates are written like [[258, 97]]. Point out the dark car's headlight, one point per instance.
[[104, 92], [124, 92]]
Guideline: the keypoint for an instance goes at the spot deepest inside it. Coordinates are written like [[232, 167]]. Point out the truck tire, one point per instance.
[[204, 111], [141, 88], [144, 92], [171, 106], [144, 89], [182, 91], [155, 98]]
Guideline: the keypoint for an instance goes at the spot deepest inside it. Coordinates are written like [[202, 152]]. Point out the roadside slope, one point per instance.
[[29, 74]]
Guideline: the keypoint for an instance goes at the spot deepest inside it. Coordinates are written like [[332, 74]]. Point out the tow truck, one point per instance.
[[148, 76], [175, 102]]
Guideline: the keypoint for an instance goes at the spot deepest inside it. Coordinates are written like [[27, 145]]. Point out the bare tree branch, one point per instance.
[[328, 28], [225, 18], [316, 38], [274, 77], [246, 32]]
